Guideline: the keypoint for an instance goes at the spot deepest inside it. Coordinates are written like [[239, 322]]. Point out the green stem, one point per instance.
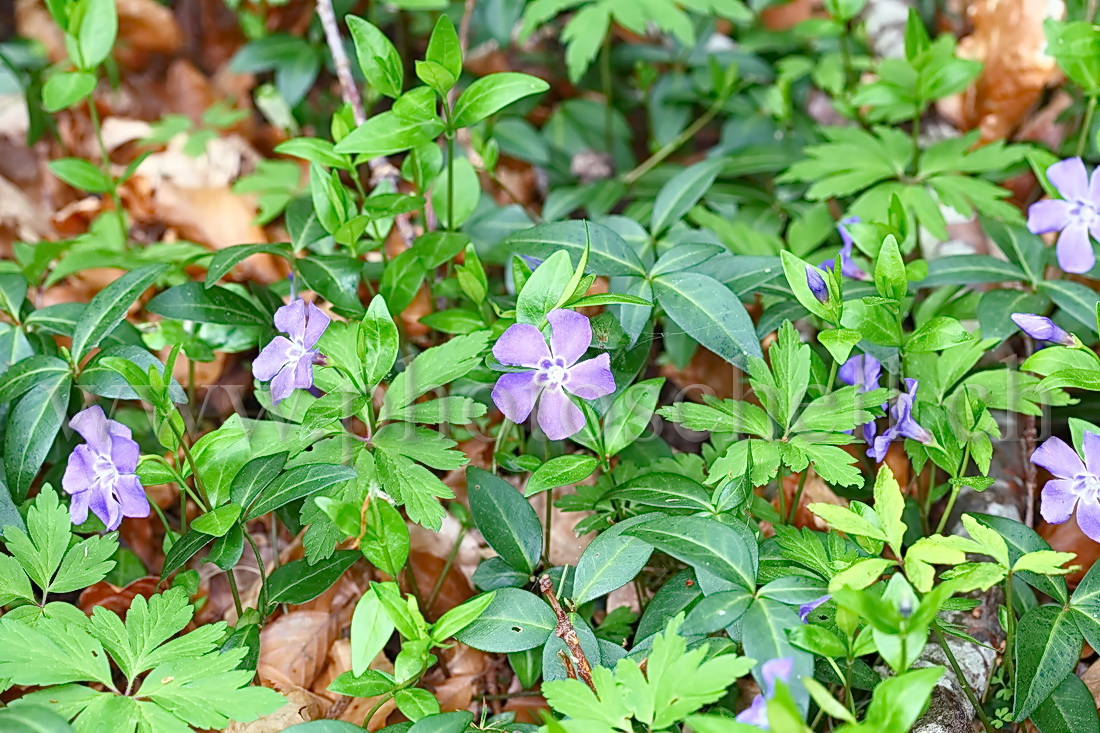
[[1086, 126], [260, 565], [124, 230], [438, 585], [450, 182], [691, 131], [547, 526], [915, 131], [963, 681], [797, 496], [236, 593], [1010, 632], [605, 82], [955, 488]]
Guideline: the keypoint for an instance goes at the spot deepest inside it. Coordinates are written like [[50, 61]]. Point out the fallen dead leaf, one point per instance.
[[301, 706], [294, 648], [112, 598]]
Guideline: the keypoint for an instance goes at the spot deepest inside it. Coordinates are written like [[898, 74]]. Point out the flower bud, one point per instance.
[[1042, 328], [817, 284]]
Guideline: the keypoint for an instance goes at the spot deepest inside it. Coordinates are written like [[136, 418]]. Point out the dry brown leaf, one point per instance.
[[294, 648], [112, 598], [301, 706], [212, 216], [455, 589], [1009, 39], [147, 25]]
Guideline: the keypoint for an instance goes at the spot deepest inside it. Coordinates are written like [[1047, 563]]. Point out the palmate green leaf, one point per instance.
[[851, 161], [720, 416], [1048, 644], [421, 445], [434, 368], [52, 652], [14, 584], [841, 409], [85, 563], [149, 623], [44, 553], [414, 486], [451, 410], [833, 464], [583, 37], [209, 691], [30, 718]]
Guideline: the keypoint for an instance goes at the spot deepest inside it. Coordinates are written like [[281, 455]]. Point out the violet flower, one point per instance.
[[817, 284], [1076, 483], [848, 267], [552, 371], [806, 609], [100, 473], [288, 362], [772, 671], [902, 423], [1075, 215], [863, 371], [1042, 328]]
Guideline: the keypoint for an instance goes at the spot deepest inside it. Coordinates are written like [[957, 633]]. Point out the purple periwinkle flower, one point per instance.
[[1042, 328], [551, 372], [902, 423], [773, 670], [817, 284], [863, 371], [807, 608], [1076, 483], [1075, 215], [848, 267], [100, 474], [288, 362]]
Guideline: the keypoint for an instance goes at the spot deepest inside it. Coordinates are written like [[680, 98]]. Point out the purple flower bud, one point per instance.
[[806, 609], [817, 284], [1042, 328]]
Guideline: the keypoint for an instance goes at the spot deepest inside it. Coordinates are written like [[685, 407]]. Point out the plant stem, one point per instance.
[[1010, 632], [915, 131], [798, 495], [547, 526], [1086, 123], [954, 491], [963, 681], [124, 230], [438, 585], [450, 182], [236, 594], [259, 564], [605, 83], [691, 131]]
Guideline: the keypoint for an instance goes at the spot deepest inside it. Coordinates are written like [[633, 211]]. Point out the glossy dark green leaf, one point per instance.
[[490, 94], [299, 582], [183, 550], [107, 309], [1021, 540], [33, 423], [610, 561], [254, 476], [194, 302], [516, 620], [710, 313], [297, 483], [560, 471], [1048, 644], [506, 520], [682, 192], [226, 259], [609, 254], [705, 544], [1069, 709], [26, 373]]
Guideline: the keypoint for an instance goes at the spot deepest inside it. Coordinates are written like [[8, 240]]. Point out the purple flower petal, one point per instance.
[[124, 450], [559, 418], [755, 714], [882, 443], [591, 379], [316, 323], [816, 283], [78, 507], [91, 424], [1049, 215], [570, 334], [132, 498], [1057, 500], [1075, 248], [80, 471], [1070, 179], [902, 413], [806, 609], [775, 670], [291, 318], [106, 507], [861, 370], [277, 354], [1090, 448], [1088, 517], [1056, 456], [282, 386], [521, 345], [514, 395]]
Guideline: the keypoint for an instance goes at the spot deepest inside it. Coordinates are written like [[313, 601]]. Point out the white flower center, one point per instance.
[[552, 372], [1087, 486], [1086, 212], [105, 469]]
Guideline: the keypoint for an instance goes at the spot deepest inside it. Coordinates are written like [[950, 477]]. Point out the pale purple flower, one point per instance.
[[902, 423], [288, 362], [1042, 328], [817, 284], [100, 474], [772, 671], [863, 371], [807, 608], [1076, 483], [1075, 215], [848, 267], [552, 371]]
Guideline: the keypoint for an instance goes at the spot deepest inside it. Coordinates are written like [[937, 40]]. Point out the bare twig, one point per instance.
[[381, 169], [567, 633]]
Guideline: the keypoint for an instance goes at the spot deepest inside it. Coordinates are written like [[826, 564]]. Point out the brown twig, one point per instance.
[[382, 170], [567, 633]]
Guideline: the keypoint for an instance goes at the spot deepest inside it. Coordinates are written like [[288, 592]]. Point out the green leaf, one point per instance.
[[889, 505], [630, 414], [937, 334], [847, 521], [226, 259], [890, 278], [297, 483], [461, 616], [387, 133], [414, 486], [839, 342], [66, 89], [717, 611], [764, 631], [85, 563], [218, 521], [1076, 300], [506, 520], [97, 32], [377, 342], [81, 175], [421, 445], [682, 192], [182, 550], [970, 270], [1048, 644], [544, 290], [710, 313], [609, 254], [299, 582], [1069, 709], [434, 368], [33, 423], [610, 561], [705, 544], [371, 629], [490, 94], [663, 490], [107, 309], [52, 652], [1020, 540], [385, 538], [560, 471], [378, 59], [444, 47], [32, 719], [516, 620], [194, 302]]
